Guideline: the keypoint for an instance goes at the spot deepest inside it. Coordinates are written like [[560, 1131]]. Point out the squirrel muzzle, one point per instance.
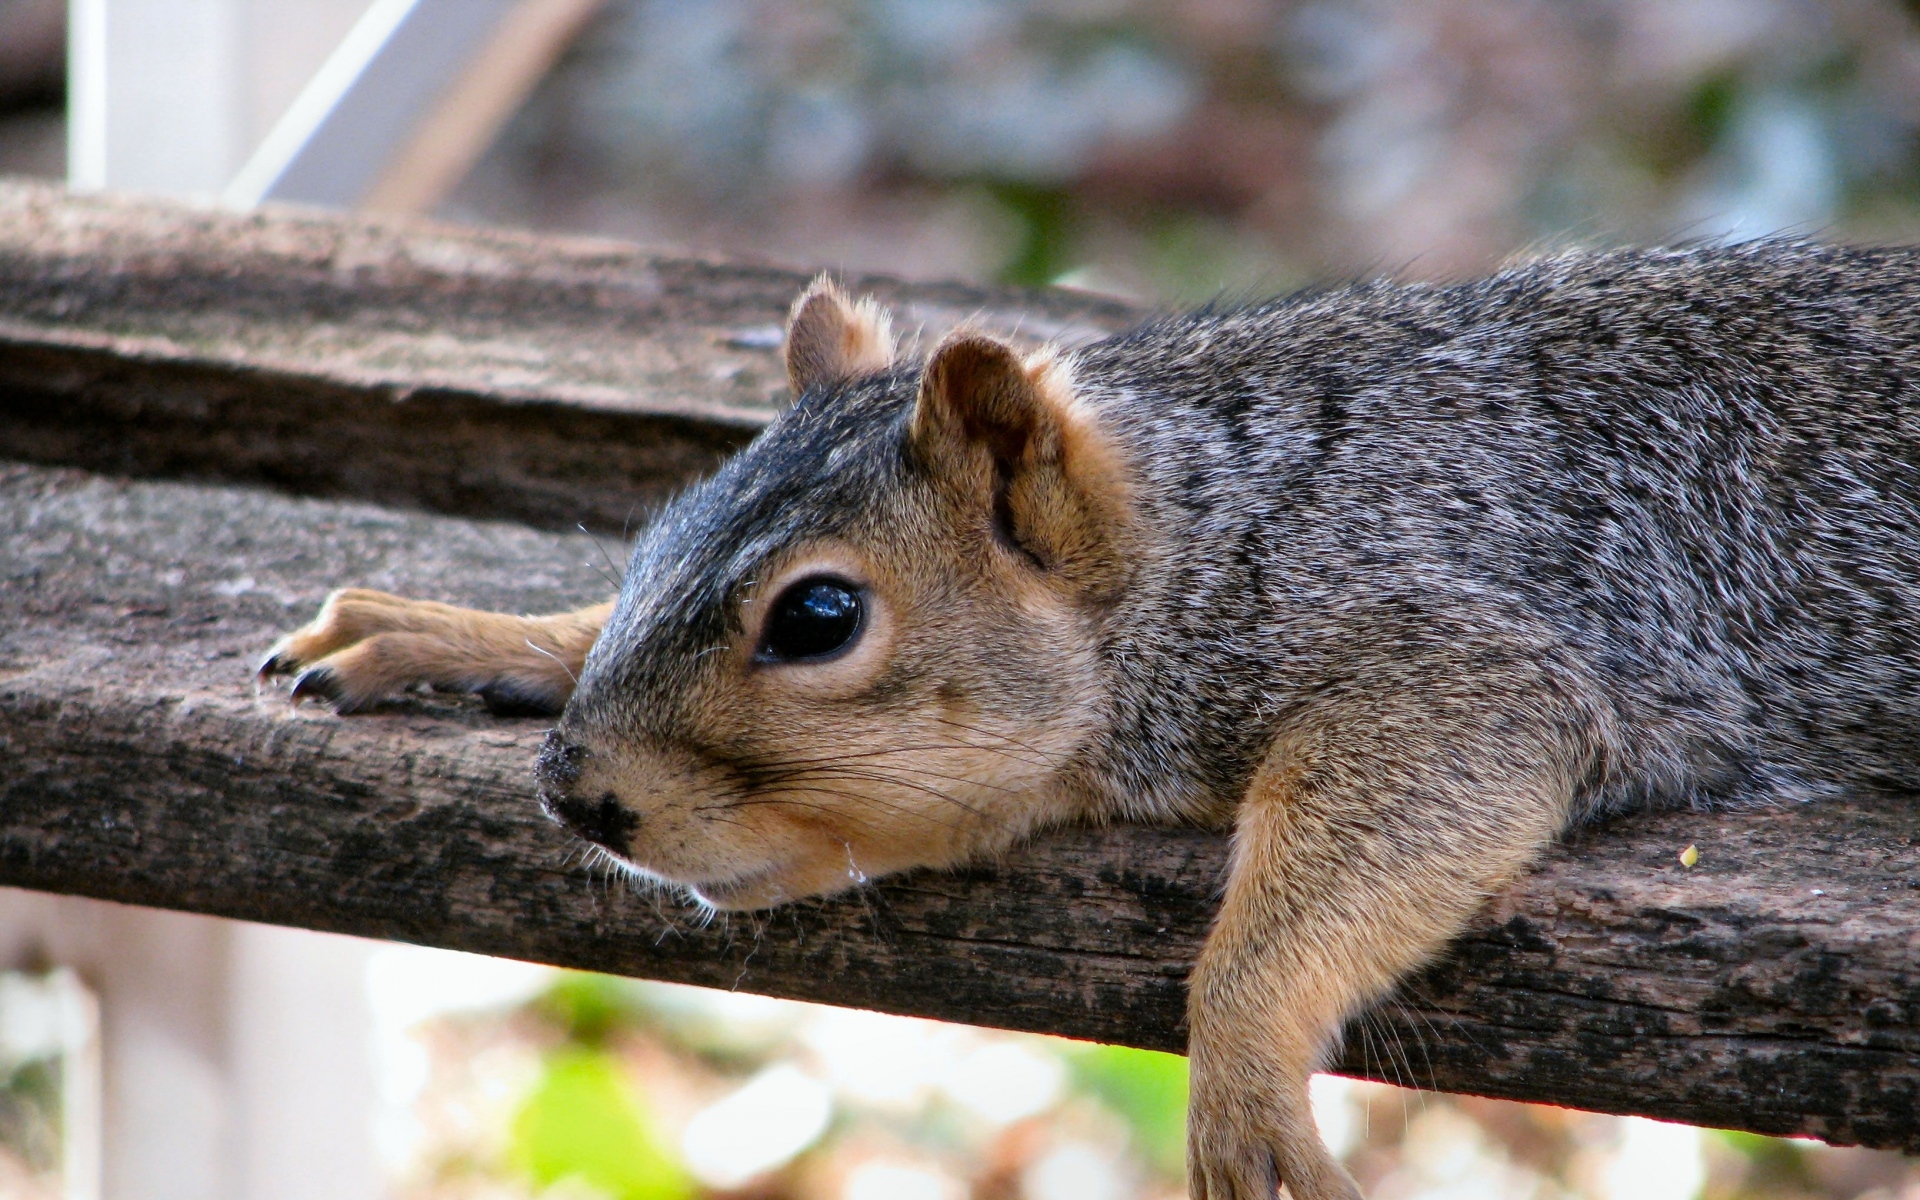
[[601, 819]]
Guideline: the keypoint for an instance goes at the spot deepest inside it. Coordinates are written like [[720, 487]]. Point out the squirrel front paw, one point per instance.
[[366, 645], [1246, 1139]]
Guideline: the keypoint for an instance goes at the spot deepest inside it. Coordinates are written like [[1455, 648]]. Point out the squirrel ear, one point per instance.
[[1006, 433], [976, 390], [831, 338]]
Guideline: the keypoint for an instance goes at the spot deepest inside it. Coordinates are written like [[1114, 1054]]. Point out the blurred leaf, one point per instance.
[[590, 1006], [1146, 1087], [1771, 1160], [581, 1122], [1710, 105], [30, 1113], [1045, 248], [1200, 259], [1772, 1164]]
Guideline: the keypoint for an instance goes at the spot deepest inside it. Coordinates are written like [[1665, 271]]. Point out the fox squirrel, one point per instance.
[[1397, 581]]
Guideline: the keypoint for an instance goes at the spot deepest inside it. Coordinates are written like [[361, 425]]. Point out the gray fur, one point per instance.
[[1685, 484]]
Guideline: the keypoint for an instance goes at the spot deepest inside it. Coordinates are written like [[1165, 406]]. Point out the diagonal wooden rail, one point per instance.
[[214, 419]]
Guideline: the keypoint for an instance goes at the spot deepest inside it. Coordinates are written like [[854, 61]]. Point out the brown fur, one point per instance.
[[1006, 430], [831, 338], [365, 645], [1359, 848]]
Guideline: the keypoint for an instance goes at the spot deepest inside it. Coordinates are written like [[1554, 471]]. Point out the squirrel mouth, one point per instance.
[[727, 893], [724, 893]]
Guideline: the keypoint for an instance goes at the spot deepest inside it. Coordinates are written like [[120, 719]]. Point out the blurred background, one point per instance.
[[1176, 148], [1172, 151]]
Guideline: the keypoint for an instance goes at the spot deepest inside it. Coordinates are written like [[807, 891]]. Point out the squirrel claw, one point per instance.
[[316, 681]]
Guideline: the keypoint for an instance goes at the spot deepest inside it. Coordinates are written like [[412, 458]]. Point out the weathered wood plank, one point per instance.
[[487, 373], [1775, 987]]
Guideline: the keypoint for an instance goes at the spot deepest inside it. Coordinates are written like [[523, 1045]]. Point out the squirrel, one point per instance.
[[1398, 582]]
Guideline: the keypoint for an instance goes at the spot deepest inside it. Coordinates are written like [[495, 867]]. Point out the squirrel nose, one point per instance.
[[558, 767], [602, 820]]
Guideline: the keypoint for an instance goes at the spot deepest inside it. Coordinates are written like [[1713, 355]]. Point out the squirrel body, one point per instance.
[[1396, 581]]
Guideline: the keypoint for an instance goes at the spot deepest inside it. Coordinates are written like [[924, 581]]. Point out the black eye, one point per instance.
[[812, 619]]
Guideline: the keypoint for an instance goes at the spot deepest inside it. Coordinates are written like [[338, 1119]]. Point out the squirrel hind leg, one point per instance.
[[364, 646]]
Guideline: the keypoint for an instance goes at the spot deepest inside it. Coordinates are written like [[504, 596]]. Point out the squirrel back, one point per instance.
[[1685, 481], [1692, 476]]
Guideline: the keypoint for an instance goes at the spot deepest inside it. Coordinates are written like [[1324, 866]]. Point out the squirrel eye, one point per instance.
[[813, 618]]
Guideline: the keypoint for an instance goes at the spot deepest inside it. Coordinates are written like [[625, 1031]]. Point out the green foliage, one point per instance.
[[1149, 1089], [590, 1007], [1710, 106], [30, 1113], [1194, 258], [1772, 1164], [1047, 238], [581, 1122]]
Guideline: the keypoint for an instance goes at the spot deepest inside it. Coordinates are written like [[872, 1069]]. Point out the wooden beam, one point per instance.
[[547, 380], [1775, 986]]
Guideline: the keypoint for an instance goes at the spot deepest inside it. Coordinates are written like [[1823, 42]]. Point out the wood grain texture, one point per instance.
[[1773, 987], [487, 373]]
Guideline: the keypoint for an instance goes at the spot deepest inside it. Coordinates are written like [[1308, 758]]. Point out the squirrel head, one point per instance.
[[870, 641]]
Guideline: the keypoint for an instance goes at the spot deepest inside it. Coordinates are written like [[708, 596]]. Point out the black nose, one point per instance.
[[558, 767], [602, 820]]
